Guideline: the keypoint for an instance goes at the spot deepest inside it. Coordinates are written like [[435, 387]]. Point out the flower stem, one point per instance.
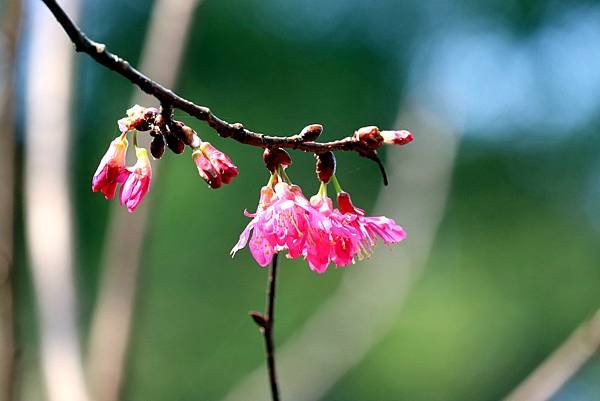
[[267, 329], [336, 184]]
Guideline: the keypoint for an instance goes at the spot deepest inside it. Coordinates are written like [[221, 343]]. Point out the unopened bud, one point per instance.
[[157, 146], [183, 132], [275, 157], [175, 144], [325, 166], [401, 137], [370, 137], [311, 132]]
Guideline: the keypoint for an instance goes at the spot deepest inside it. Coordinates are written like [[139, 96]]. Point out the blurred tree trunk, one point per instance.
[[8, 343], [113, 314], [555, 371], [48, 205]]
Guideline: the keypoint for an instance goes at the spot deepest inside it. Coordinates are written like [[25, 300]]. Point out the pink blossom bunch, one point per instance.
[[215, 167], [286, 221]]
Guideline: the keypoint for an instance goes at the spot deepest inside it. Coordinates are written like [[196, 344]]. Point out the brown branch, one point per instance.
[[235, 131], [267, 323]]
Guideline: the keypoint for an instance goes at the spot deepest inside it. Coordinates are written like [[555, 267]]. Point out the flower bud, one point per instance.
[[111, 170], [174, 143], [275, 157], [369, 137], [325, 167], [214, 166], [345, 204], [157, 146], [183, 132], [401, 137], [136, 185], [311, 132]]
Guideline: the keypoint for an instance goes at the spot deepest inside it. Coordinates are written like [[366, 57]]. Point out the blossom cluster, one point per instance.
[[214, 166], [286, 221]]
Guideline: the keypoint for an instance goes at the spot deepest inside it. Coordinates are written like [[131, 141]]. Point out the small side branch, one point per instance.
[[266, 323]]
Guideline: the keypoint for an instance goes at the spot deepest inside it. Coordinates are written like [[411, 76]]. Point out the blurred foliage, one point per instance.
[[514, 269]]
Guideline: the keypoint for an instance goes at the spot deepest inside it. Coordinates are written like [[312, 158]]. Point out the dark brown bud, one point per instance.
[[183, 132], [157, 146], [325, 166], [311, 132], [174, 143], [276, 157], [370, 137]]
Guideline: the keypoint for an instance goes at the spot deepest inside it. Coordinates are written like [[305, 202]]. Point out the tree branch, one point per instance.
[[227, 130], [235, 131]]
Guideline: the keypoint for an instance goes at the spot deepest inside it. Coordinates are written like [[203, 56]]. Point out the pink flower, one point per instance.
[[214, 166], [138, 181], [111, 170], [344, 238], [284, 221], [369, 227], [401, 137], [261, 249]]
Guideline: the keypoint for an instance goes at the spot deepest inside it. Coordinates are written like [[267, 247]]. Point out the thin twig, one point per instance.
[[266, 323], [268, 330], [235, 131]]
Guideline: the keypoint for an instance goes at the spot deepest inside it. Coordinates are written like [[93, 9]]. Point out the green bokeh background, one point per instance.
[[514, 269]]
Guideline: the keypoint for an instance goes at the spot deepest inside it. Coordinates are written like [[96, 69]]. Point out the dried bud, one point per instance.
[[183, 132], [174, 143], [138, 118], [311, 132], [401, 137], [370, 137], [275, 157], [325, 166], [157, 146]]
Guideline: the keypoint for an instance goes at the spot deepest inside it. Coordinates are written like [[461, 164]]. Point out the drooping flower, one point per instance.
[[343, 238], [111, 170], [370, 227], [138, 181], [214, 166], [259, 246], [284, 221]]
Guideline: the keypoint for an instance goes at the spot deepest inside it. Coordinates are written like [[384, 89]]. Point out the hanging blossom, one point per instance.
[[136, 185], [111, 170], [286, 221], [215, 167]]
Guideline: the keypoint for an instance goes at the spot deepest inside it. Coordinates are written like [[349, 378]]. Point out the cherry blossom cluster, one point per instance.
[[215, 167], [285, 219]]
